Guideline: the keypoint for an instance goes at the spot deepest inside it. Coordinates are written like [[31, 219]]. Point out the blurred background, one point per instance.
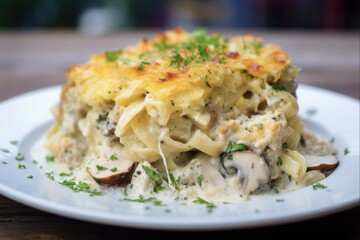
[[95, 17]]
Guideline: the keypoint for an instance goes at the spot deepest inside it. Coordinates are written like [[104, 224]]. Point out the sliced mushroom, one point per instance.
[[322, 163], [250, 170], [111, 173]]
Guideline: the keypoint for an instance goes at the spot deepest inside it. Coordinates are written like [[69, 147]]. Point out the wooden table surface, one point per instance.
[[31, 60]]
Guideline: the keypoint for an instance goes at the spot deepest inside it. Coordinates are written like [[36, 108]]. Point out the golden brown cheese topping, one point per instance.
[[185, 66]]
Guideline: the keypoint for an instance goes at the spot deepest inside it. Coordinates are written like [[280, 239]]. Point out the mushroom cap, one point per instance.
[[116, 172], [322, 163], [250, 169]]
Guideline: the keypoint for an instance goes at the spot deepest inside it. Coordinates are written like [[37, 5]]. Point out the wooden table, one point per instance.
[[31, 60]]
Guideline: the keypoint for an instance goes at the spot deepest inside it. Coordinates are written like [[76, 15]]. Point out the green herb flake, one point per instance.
[[113, 158], [4, 162], [200, 179], [285, 145], [158, 177], [280, 161], [4, 150], [162, 79], [95, 192], [167, 210], [50, 158], [64, 174], [35, 162], [280, 200], [20, 157], [210, 206], [111, 56], [80, 187], [50, 175], [232, 147], [142, 65], [114, 169], [14, 142], [203, 52], [346, 151], [101, 168], [332, 140], [278, 88], [318, 186], [30, 177], [276, 190], [311, 112], [174, 182], [141, 199], [158, 187], [257, 211]]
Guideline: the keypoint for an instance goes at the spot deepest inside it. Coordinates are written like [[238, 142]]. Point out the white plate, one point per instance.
[[26, 117]]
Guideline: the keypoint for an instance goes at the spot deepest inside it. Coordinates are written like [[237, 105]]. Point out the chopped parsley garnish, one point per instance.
[[50, 158], [257, 210], [141, 199], [167, 210], [210, 206], [20, 157], [280, 200], [35, 162], [3, 162], [284, 145], [276, 190], [30, 177], [203, 53], [174, 182], [278, 88], [199, 48], [64, 174], [231, 147], [252, 45], [113, 158], [279, 161], [200, 179], [114, 169], [346, 151], [111, 56], [14, 142], [21, 166], [80, 187], [50, 175], [4, 150], [157, 177], [142, 65], [101, 168], [318, 186], [311, 111]]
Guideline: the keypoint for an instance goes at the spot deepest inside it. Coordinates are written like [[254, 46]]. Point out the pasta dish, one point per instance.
[[188, 115]]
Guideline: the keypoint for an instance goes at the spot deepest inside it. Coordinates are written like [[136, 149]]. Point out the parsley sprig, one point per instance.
[[232, 147], [81, 187], [210, 206], [157, 177]]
